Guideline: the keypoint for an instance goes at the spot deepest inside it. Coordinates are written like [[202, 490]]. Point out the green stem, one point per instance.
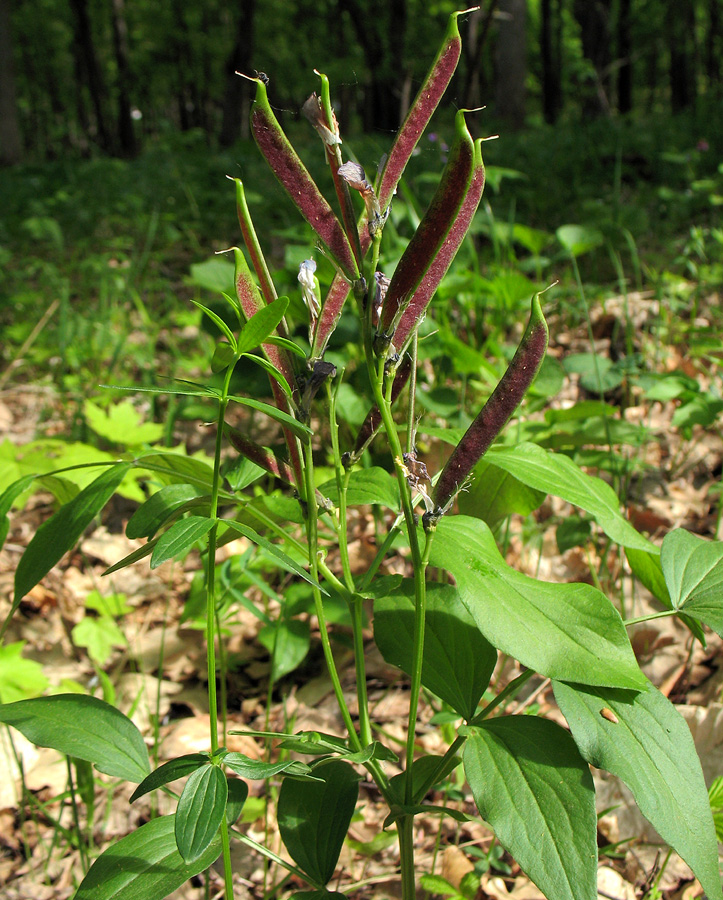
[[412, 393], [658, 615], [405, 833]]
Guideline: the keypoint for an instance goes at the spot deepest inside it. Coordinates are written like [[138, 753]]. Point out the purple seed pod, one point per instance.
[[373, 421], [413, 314], [330, 315], [252, 244], [298, 183], [420, 112], [433, 230], [496, 412], [262, 456]]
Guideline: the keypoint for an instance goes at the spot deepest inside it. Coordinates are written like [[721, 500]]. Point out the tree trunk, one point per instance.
[[235, 98], [681, 29], [88, 66], [550, 51], [625, 49], [511, 62], [593, 16], [126, 133], [478, 29], [713, 37], [11, 146]]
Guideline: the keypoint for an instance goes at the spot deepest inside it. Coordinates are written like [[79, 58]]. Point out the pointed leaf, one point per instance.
[[261, 325], [298, 428], [60, 533], [170, 771], [693, 569], [159, 507], [288, 642], [314, 817], [533, 787], [373, 486], [647, 744], [179, 538], [458, 661], [551, 628], [558, 475], [200, 810], [238, 792], [144, 865], [258, 770], [82, 726], [177, 469], [219, 322]]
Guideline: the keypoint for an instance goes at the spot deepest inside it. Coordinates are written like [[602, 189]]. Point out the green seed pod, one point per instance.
[[496, 412], [433, 230], [298, 183]]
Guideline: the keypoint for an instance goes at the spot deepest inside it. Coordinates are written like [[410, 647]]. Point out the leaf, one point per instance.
[[261, 325], [214, 274], [60, 533], [99, 637], [223, 357], [257, 770], [19, 677], [218, 321], [373, 486], [144, 865], [178, 469], [179, 538], [7, 498], [288, 643], [299, 429], [493, 495], [579, 239], [286, 561], [82, 726], [158, 508], [551, 628], [651, 749], [533, 787], [458, 661], [238, 792], [314, 816], [168, 772], [693, 570], [556, 474], [271, 369], [200, 811], [122, 424]]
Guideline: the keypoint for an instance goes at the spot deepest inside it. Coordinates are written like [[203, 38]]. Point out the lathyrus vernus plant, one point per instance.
[[530, 777]]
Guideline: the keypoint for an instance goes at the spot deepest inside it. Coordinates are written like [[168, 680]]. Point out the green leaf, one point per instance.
[[257, 770], [649, 746], [426, 772], [60, 533], [373, 486], [533, 787], [215, 274], [170, 771], [7, 498], [223, 357], [458, 661], [99, 637], [144, 865], [20, 678], [715, 793], [218, 321], [579, 239], [113, 605], [271, 369], [288, 642], [494, 495], [159, 507], [299, 429], [262, 324], [286, 561], [556, 474], [178, 469], [238, 792], [200, 811], [179, 538], [693, 569], [82, 726], [551, 628], [317, 895], [435, 884], [121, 424], [314, 817]]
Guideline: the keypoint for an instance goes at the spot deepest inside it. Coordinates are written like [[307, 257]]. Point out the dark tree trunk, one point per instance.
[[551, 53], [126, 133], [478, 28], [681, 29], [713, 45], [88, 65], [11, 145], [625, 49], [511, 62], [593, 17], [235, 98]]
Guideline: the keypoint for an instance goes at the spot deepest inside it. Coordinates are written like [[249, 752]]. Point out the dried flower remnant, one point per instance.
[[314, 112], [354, 176], [321, 370], [311, 292]]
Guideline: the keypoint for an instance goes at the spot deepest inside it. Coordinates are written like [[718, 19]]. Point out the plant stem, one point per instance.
[[658, 615]]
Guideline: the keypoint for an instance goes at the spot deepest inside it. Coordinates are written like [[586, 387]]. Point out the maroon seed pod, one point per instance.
[[298, 183], [433, 230], [420, 112], [329, 315], [262, 456], [413, 314], [497, 411]]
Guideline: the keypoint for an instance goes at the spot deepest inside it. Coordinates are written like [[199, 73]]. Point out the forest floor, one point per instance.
[[158, 676]]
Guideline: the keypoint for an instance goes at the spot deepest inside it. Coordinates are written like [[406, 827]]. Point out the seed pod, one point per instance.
[[413, 314], [420, 112], [261, 456], [330, 315], [433, 230], [252, 244], [373, 421], [497, 410], [298, 183]]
